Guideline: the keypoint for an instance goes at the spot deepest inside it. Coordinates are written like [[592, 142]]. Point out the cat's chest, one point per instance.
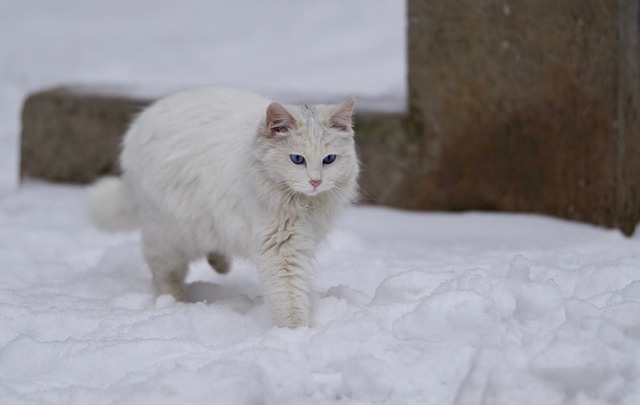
[[237, 224]]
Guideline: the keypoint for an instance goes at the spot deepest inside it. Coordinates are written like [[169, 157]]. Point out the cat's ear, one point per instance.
[[342, 118], [279, 120]]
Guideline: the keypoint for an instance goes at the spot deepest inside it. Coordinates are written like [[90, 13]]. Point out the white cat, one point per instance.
[[223, 173]]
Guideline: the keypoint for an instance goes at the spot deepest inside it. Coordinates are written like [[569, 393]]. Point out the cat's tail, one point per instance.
[[112, 206]]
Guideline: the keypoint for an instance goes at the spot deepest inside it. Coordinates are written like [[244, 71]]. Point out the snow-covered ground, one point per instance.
[[409, 308]]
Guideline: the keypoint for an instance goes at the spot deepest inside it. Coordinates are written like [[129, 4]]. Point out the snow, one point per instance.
[[425, 308], [409, 308]]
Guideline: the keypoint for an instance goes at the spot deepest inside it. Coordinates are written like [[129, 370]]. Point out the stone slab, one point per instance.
[[73, 136]]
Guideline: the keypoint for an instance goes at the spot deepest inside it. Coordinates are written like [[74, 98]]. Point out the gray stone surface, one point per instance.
[[628, 120], [73, 136]]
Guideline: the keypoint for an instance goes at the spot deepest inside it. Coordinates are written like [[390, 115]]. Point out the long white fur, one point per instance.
[[112, 206], [209, 176]]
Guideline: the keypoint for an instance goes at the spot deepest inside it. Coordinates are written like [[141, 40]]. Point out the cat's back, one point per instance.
[[185, 157], [219, 103], [191, 131], [210, 114]]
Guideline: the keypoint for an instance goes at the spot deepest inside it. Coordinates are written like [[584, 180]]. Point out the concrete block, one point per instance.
[[527, 106], [72, 135]]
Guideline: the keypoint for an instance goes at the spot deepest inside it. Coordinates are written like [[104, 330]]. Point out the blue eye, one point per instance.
[[329, 159], [297, 159]]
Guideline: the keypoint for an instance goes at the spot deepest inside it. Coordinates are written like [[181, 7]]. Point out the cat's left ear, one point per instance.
[[342, 119]]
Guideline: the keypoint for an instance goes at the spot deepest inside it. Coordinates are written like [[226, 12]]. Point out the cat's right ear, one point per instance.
[[342, 119], [279, 120]]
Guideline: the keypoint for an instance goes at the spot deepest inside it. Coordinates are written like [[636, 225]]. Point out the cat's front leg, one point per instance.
[[285, 263]]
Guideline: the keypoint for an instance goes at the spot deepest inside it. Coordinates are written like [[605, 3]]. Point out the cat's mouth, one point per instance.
[[314, 191], [311, 189]]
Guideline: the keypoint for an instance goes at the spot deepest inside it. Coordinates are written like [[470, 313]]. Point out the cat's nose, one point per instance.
[[315, 183]]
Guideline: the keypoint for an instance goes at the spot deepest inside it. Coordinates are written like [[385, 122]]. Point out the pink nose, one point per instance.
[[315, 183]]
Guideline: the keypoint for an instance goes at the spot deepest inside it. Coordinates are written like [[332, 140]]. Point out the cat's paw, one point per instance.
[[175, 291], [219, 262], [170, 285], [296, 324], [292, 319]]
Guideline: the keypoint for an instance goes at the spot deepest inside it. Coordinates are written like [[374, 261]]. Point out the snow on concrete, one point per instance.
[[409, 308]]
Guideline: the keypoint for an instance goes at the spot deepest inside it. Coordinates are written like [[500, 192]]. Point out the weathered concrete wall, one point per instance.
[[628, 128], [73, 136], [381, 143], [525, 106]]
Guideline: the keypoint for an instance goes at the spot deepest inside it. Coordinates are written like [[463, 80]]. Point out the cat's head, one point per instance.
[[309, 150]]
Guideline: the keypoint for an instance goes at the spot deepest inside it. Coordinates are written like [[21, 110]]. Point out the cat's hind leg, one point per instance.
[[219, 262], [169, 266]]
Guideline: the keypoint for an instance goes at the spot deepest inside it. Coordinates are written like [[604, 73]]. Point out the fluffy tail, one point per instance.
[[112, 206]]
